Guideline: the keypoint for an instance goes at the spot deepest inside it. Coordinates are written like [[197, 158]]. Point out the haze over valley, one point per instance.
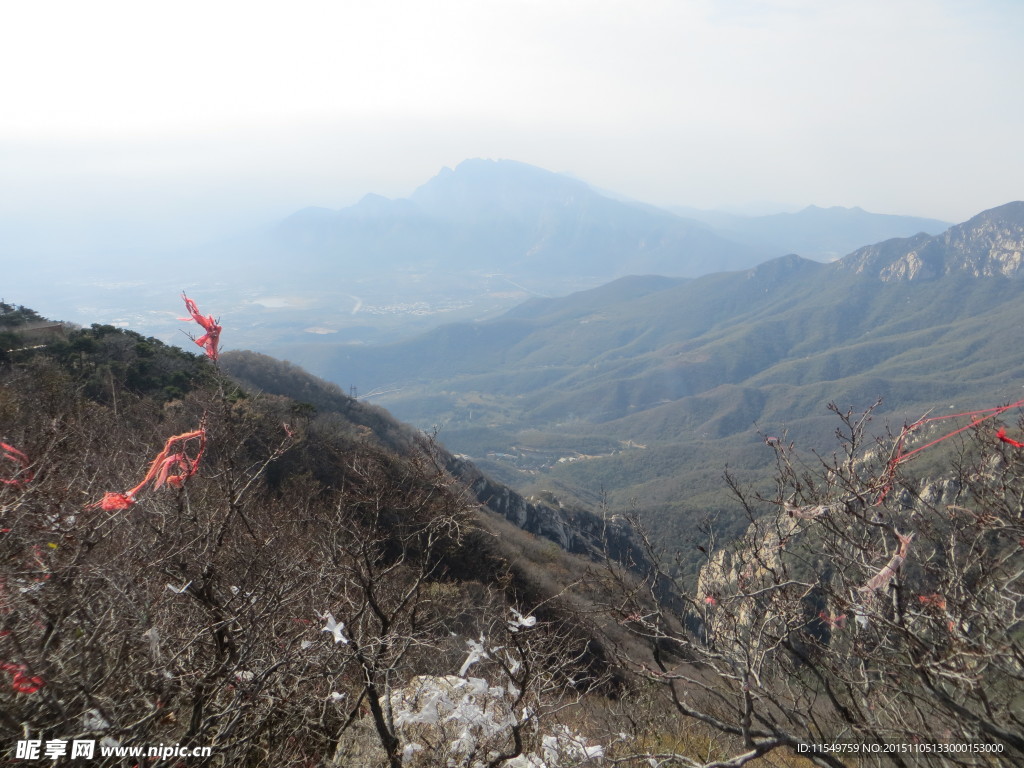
[[467, 244]]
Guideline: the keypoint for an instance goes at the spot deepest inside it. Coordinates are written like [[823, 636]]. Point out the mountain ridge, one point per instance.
[[515, 218], [693, 369], [820, 233], [985, 245], [511, 217]]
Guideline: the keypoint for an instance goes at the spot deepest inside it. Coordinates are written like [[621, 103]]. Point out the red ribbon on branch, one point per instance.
[[900, 456], [1001, 434], [890, 569], [172, 458], [211, 338], [11, 453], [21, 682]]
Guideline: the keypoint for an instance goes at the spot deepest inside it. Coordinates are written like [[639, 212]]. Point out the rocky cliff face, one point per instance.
[[578, 531], [989, 245]]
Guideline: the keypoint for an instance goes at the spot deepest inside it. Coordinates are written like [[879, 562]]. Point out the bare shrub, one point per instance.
[[862, 608]]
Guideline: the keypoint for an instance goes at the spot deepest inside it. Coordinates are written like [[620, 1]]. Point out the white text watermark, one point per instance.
[[88, 749]]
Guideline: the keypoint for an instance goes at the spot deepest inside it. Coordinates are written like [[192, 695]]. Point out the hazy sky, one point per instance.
[[197, 117]]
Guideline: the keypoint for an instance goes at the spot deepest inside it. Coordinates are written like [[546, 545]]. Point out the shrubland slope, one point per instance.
[[282, 569]]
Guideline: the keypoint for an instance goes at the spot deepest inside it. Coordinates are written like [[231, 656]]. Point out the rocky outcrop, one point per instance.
[[575, 530], [989, 245]]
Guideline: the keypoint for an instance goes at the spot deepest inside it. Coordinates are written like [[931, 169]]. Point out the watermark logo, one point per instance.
[[86, 749], [36, 749]]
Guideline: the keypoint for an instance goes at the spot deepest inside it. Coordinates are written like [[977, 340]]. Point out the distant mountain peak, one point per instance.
[[990, 244], [833, 211], [490, 163], [1010, 214], [477, 169], [373, 206], [373, 199], [480, 185], [490, 216], [784, 266]]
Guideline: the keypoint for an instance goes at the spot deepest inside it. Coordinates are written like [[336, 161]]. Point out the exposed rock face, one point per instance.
[[578, 531], [989, 245], [737, 586]]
